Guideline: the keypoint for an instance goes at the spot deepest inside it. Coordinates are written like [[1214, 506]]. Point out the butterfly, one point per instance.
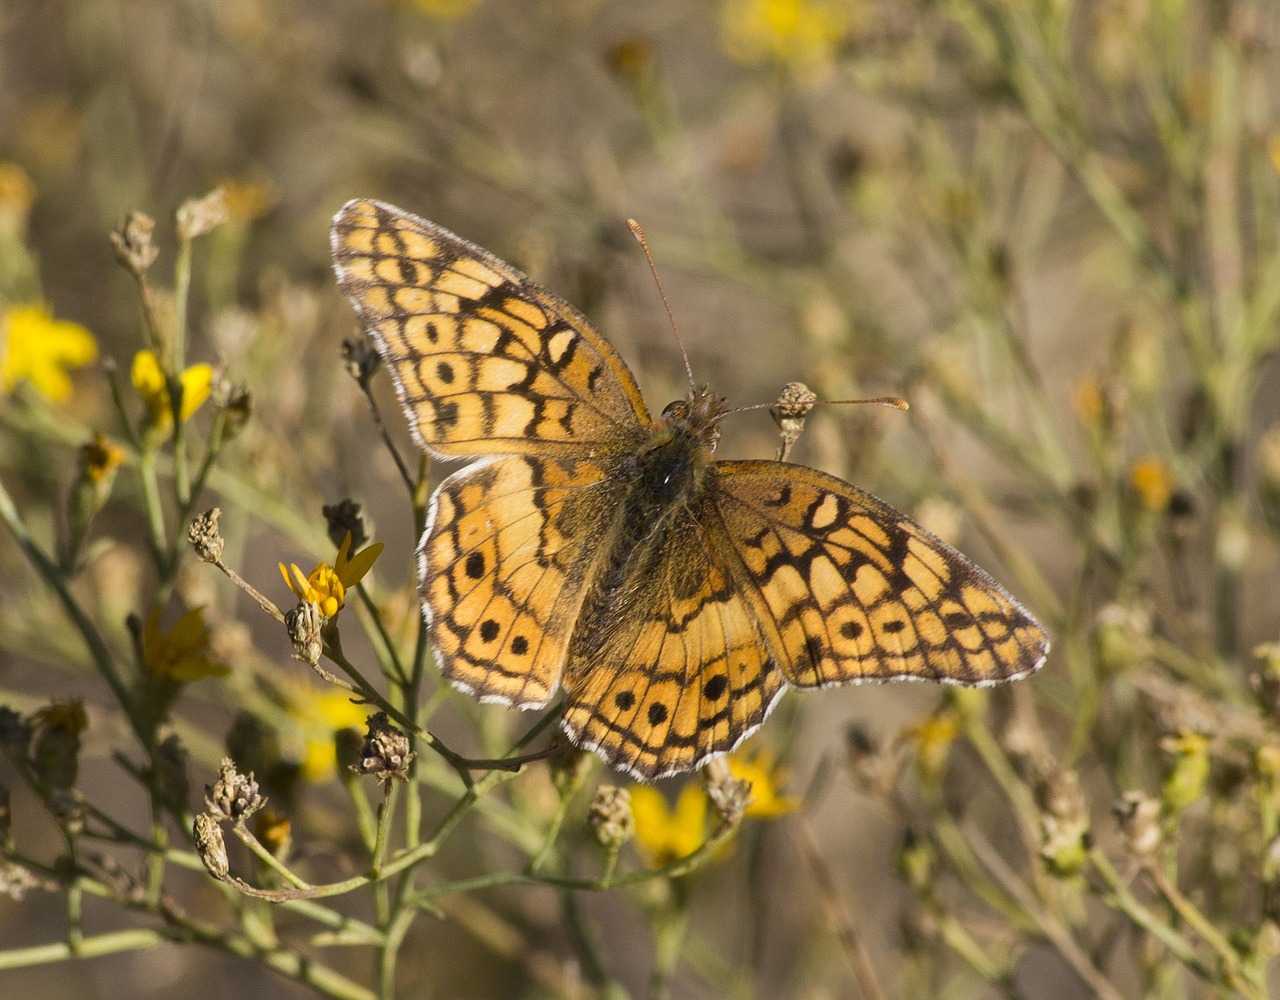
[[594, 549]]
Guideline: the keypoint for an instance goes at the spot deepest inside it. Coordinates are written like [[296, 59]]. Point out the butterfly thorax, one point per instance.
[[667, 480]]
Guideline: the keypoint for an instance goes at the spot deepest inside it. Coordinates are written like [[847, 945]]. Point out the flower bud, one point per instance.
[[610, 816]]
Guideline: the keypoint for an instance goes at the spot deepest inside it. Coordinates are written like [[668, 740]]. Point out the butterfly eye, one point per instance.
[[678, 410]]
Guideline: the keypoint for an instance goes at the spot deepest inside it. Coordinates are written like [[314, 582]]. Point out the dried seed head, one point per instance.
[[204, 536], [610, 816], [385, 753], [361, 359], [211, 847], [346, 516], [790, 412], [568, 767], [16, 881], [198, 216], [1139, 817], [233, 796], [1064, 823], [729, 795], [132, 241], [15, 733], [304, 623]]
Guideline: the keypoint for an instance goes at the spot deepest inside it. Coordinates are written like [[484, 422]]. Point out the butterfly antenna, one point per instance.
[[638, 233], [897, 402]]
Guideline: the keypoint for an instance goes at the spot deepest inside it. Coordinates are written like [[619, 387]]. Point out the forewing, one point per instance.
[[484, 360], [677, 671], [850, 589], [507, 548]]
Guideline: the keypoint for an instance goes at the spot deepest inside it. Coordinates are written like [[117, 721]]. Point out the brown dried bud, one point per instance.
[[1064, 823], [385, 753], [170, 767], [238, 408], [610, 816], [204, 536], [346, 516], [569, 767], [133, 244], [361, 359], [198, 216], [211, 847], [917, 861], [16, 881], [15, 733], [55, 752], [1139, 817], [729, 795], [790, 412], [233, 796], [304, 623]]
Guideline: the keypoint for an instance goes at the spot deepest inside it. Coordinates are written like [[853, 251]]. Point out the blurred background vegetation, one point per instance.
[[1050, 224]]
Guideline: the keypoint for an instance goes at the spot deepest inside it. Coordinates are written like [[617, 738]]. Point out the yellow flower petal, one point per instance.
[[149, 382], [36, 348], [197, 383], [352, 572], [666, 834], [182, 652], [766, 779]]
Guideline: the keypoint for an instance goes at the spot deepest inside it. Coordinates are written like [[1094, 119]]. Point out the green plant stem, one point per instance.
[[49, 572]]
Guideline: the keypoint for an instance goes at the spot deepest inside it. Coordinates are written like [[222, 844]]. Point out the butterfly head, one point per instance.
[[697, 417]]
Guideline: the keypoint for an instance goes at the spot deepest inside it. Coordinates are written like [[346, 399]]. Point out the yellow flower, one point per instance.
[[1089, 401], [65, 716], [247, 200], [181, 653], [148, 379], [327, 585], [933, 738], [799, 34], [273, 829], [322, 714], [445, 9], [665, 834], [99, 458], [1151, 481], [766, 779], [36, 348]]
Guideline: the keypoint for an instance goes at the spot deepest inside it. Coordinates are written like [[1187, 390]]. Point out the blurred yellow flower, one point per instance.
[[1089, 401], [148, 379], [322, 714], [65, 716], [799, 34], [100, 457], [663, 833], [247, 200], [766, 779], [326, 587], [36, 348], [445, 9], [182, 652], [16, 195], [1151, 481], [933, 738]]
